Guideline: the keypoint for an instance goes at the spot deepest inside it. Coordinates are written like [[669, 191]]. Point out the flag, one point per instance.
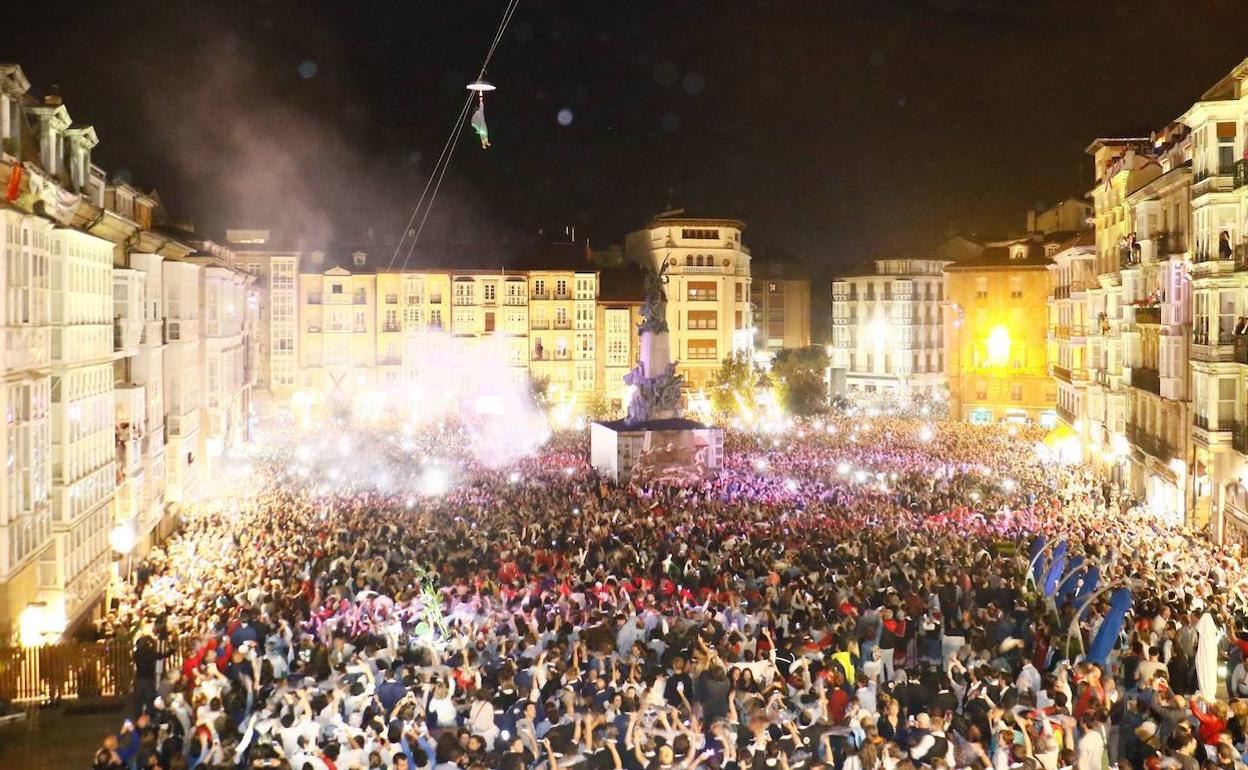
[[478, 125], [1037, 560], [1111, 626], [1087, 588], [1207, 657], [15, 184], [1054, 574]]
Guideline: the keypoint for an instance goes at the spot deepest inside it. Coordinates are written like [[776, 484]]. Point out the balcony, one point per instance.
[[1214, 180], [1240, 252], [539, 324], [1239, 436], [1203, 422], [1061, 292], [389, 361], [1105, 379], [1168, 243], [1145, 379], [1069, 375], [1060, 331], [1241, 174], [563, 324], [1150, 444], [1240, 355], [1215, 348], [1148, 314], [390, 327], [540, 295], [1066, 415], [182, 425]]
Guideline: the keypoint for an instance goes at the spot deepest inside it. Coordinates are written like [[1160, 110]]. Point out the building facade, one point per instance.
[[995, 352], [708, 288], [887, 333], [364, 330], [780, 308], [276, 337]]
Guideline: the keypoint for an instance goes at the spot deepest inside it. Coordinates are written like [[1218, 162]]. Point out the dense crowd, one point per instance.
[[854, 594]]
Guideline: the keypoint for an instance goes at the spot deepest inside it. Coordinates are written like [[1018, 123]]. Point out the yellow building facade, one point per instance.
[[995, 335], [364, 330]]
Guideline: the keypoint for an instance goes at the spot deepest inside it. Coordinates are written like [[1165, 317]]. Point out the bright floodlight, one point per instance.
[[480, 84], [999, 346], [434, 481], [926, 433], [121, 538]]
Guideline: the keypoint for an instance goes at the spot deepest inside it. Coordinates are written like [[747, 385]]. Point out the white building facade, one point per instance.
[[887, 330], [708, 289]]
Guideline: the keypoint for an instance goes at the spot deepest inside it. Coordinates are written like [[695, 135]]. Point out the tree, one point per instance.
[[732, 387], [799, 376], [597, 408]]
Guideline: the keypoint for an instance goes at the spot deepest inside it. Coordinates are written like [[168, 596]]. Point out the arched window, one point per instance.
[[700, 263], [689, 261]]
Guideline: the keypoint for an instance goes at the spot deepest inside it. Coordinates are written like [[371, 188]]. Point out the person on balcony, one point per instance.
[[1224, 245]]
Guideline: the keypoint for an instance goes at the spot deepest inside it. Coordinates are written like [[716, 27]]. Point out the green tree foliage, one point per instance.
[[598, 408], [799, 376], [733, 385]]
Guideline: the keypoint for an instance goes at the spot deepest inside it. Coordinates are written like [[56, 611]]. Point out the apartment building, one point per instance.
[[996, 353], [780, 307], [887, 334], [708, 288], [276, 338], [365, 328]]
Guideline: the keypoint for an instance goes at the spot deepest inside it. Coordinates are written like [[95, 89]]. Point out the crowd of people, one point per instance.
[[850, 594]]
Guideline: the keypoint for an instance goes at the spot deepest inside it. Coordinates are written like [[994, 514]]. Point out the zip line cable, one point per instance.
[[443, 163]]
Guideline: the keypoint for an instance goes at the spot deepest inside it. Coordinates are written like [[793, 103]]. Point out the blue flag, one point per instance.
[[1111, 626]]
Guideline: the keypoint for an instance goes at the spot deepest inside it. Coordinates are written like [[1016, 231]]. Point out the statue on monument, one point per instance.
[[654, 307], [657, 386]]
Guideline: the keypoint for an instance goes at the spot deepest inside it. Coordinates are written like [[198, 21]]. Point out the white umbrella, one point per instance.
[[1207, 657]]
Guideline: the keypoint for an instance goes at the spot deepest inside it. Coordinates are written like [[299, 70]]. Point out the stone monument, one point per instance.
[[654, 442]]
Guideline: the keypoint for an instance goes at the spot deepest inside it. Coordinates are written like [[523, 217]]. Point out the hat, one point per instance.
[[1146, 731]]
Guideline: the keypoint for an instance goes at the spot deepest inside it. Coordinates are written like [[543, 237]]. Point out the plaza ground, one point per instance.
[[56, 739]]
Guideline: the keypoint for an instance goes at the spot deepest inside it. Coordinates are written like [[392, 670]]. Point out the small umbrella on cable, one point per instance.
[[480, 86]]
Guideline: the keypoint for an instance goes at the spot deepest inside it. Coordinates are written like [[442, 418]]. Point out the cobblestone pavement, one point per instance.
[[56, 739]]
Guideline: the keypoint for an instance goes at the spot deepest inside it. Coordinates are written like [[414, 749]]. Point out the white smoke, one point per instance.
[[483, 382]]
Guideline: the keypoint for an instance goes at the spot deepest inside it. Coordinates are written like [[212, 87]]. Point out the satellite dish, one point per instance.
[[479, 85]]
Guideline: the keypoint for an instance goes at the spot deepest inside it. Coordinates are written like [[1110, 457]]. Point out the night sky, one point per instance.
[[835, 129]]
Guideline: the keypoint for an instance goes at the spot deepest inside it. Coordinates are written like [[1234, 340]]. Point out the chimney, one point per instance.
[[1031, 221]]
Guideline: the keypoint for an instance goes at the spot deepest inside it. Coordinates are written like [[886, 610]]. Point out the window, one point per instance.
[[488, 291], [335, 288], [739, 293], [1016, 391], [392, 299], [703, 350], [703, 319], [1226, 402], [689, 260], [703, 291], [981, 391], [1016, 287], [392, 321], [1226, 148], [539, 287], [561, 316], [699, 234], [435, 318], [981, 287], [561, 289]]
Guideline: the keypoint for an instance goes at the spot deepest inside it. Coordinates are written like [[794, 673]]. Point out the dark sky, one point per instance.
[[835, 129]]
